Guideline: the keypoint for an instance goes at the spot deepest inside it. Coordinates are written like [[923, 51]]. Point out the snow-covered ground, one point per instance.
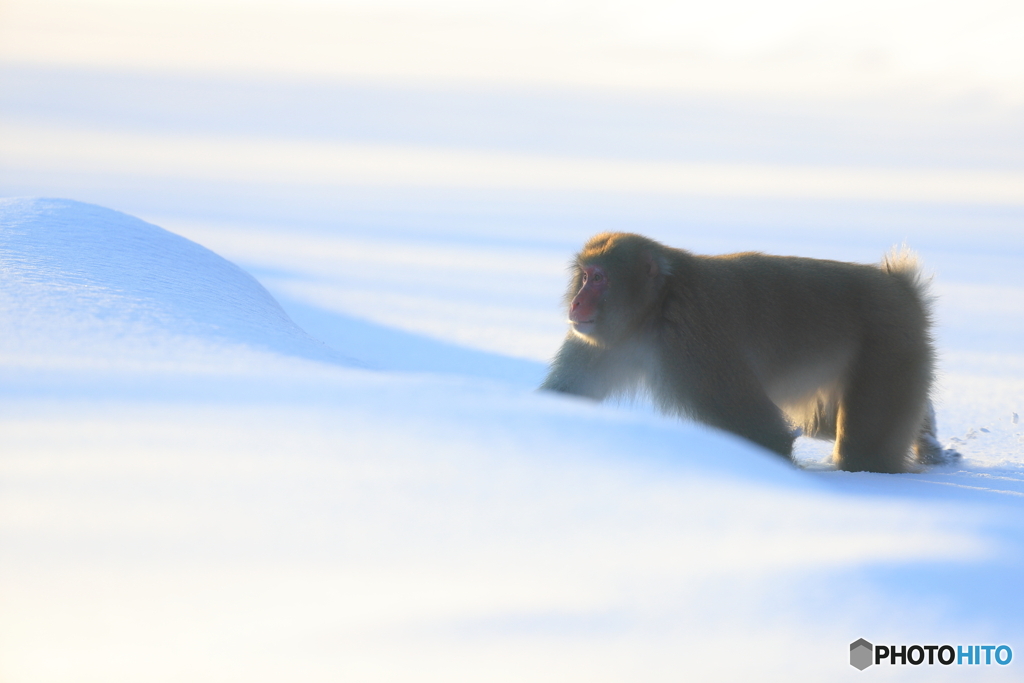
[[193, 488], [292, 432]]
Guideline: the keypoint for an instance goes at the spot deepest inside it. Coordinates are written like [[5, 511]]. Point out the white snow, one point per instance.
[[310, 520]]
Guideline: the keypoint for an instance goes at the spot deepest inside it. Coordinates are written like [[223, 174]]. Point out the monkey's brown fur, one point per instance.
[[760, 345]]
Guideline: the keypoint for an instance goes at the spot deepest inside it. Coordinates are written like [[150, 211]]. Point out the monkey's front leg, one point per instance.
[[582, 369], [744, 410]]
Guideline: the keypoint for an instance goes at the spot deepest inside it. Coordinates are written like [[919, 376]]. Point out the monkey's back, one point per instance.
[[778, 310]]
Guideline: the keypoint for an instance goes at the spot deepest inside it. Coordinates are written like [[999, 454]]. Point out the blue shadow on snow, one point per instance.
[[385, 348]]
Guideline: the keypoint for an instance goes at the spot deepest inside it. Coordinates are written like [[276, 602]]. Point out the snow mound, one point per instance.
[[82, 286]]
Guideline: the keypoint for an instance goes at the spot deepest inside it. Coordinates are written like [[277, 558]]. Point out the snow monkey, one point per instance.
[[766, 347]]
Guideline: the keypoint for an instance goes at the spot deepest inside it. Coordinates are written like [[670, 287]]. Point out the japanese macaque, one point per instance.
[[766, 347]]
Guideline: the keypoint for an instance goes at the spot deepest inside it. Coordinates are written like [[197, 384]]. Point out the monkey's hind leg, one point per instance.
[[881, 411], [819, 419], [927, 448]]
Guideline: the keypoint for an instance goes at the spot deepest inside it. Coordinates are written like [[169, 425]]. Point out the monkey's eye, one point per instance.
[[597, 277]]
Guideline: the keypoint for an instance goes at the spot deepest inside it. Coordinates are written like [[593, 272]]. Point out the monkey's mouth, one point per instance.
[[583, 326]]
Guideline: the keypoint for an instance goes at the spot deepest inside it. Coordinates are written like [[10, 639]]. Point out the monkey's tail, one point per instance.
[[902, 262]]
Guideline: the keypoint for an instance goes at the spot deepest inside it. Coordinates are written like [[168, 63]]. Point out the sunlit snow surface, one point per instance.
[[196, 489], [84, 286]]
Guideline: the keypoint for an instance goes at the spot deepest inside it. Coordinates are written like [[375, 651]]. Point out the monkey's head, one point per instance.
[[617, 281]]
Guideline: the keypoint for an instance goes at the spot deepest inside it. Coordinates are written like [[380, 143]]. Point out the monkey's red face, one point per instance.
[[583, 309]]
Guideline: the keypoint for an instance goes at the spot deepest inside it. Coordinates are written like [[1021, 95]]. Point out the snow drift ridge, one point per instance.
[[86, 286]]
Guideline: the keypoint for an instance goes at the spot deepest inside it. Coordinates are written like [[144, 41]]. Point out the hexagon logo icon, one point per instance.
[[860, 654]]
